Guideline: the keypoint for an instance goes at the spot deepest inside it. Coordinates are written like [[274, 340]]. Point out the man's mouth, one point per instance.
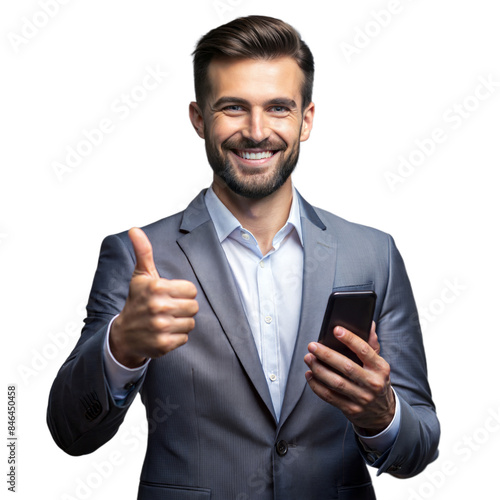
[[254, 155]]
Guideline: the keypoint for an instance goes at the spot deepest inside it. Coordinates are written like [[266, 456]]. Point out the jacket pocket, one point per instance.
[[362, 287], [363, 492], [158, 491]]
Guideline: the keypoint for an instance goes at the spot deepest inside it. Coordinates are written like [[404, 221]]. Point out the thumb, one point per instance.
[[373, 339], [143, 253]]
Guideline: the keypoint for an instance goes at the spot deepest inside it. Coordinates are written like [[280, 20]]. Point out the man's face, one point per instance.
[[253, 123]]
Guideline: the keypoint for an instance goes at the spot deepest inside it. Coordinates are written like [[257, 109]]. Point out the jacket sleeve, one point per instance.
[[402, 347], [82, 415]]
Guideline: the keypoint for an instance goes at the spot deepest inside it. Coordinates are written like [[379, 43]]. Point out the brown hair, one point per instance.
[[252, 37]]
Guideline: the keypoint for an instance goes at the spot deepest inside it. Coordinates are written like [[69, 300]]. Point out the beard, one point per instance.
[[253, 184]]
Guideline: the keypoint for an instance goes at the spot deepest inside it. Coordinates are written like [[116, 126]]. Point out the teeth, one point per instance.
[[255, 156]]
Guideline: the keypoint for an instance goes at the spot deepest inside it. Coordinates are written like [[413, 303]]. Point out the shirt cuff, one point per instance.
[[382, 441], [121, 380]]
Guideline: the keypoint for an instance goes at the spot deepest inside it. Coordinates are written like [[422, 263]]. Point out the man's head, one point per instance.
[[253, 79], [252, 37]]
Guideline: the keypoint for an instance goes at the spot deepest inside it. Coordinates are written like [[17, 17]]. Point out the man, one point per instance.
[[216, 309]]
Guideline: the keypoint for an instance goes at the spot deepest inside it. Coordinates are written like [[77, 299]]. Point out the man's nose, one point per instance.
[[257, 128]]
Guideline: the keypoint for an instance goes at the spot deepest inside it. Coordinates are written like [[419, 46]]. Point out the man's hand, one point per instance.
[[158, 313], [364, 393]]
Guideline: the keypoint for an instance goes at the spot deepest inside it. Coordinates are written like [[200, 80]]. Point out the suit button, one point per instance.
[[281, 448], [93, 407], [93, 411]]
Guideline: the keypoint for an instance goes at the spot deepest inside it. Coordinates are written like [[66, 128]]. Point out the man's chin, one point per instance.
[[253, 188], [255, 180]]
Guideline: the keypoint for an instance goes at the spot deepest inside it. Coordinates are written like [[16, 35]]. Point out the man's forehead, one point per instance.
[[281, 74]]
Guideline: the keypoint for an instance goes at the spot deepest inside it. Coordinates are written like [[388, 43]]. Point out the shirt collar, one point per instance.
[[225, 222]]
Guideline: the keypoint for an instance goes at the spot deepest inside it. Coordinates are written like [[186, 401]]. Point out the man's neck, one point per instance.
[[262, 217]]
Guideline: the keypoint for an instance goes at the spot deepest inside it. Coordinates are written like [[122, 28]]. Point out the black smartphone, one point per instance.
[[351, 310]]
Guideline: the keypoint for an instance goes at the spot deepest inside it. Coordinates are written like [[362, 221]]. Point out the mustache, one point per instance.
[[266, 144]]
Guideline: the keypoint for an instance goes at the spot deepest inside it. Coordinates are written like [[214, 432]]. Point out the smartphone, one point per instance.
[[351, 310]]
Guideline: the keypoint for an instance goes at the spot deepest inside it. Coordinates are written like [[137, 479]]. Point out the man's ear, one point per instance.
[[307, 122], [196, 117]]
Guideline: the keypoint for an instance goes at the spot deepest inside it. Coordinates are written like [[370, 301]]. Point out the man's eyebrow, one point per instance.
[[278, 101], [229, 100], [282, 101]]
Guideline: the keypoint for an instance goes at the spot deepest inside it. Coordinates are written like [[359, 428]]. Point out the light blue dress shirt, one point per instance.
[[270, 288]]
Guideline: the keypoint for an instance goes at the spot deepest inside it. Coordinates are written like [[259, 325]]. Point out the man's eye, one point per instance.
[[233, 107], [280, 109]]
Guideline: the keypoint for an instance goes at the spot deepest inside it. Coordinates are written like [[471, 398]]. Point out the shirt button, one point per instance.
[[272, 377], [261, 264], [245, 236], [268, 319]]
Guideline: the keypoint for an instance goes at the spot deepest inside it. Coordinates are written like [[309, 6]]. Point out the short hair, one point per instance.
[[252, 37]]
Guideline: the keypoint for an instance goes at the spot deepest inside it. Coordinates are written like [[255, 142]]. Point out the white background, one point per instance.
[[64, 73]]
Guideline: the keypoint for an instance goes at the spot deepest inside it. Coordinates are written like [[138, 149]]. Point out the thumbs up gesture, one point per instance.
[[158, 313]]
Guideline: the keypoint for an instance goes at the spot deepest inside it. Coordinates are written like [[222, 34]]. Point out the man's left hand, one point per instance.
[[363, 393]]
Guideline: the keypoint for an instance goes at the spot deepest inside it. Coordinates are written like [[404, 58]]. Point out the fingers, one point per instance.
[[180, 289], [143, 253], [365, 408], [174, 288], [161, 302], [365, 352], [168, 343], [346, 382], [341, 373], [166, 332], [362, 393], [164, 324], [333, 396], [167, 305]]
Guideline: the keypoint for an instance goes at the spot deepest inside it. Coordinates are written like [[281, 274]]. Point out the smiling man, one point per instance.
[[211, 313]]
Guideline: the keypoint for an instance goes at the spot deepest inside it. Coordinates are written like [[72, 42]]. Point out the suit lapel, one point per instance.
[[320, 254], [202, 248]]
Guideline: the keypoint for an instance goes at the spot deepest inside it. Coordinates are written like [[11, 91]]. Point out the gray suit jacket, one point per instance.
[[213, 432]]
